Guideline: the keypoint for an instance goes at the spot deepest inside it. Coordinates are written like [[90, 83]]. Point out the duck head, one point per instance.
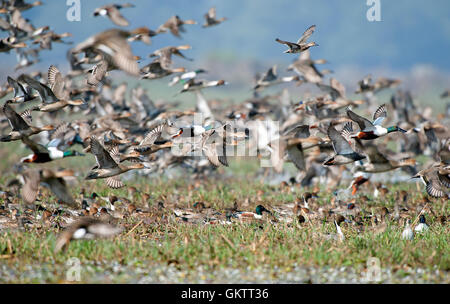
[[69, 153], [422, 219], [395, 129], [260, 209]]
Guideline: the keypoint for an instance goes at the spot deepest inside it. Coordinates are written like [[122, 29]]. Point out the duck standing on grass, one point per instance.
[[422, 226], [408, 233], [258, 214]]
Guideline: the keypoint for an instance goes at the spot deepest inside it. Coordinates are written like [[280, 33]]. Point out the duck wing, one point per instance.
[[271, 74], [98, 72], [434, 188], [379, 115], [340, 145], [114, 182], [289, 44], [116, 17], [375, 157], [16, 122], [299, 131], [363, 123], [296, 155], [309, 31], [212, 13], [58, 187], [152, 135], [45, 93], [18, 88], [30, 188], [56, 82], [103, 158], [33, 146]]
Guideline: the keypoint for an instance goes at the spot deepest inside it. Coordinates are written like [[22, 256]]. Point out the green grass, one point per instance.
[[26, 256], [242, 246]]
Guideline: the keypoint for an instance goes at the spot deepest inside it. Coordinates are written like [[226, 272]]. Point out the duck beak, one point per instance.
[[401, 130]]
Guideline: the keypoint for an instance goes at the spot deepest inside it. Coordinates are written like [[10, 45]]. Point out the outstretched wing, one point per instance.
[[340, 145], [153, 135], [375, 157], [363, 123], [45, 93], [56, 81], [306, 34], [58, 187], [290, 44], [114, 182], [299, 131], [30, 188], [434, 189], [35, 147], [296, 155], [103, 158], [16, 122], [379, 115], [212, 13], [271, 74]]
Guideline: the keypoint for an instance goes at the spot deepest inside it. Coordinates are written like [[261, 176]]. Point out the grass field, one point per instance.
[[158, 247]]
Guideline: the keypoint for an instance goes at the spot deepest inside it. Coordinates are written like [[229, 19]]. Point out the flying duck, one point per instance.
[[107, 167], [19, 126], [112, 12], [211, 19], [43, 154], [344, 154], [371, 130], [301, 44]]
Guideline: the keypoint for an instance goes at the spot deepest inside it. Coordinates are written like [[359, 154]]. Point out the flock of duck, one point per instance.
[[125, 130]]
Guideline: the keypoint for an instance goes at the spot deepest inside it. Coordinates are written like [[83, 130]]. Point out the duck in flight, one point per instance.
[[344, 152], [301, 44], [372, 130]]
